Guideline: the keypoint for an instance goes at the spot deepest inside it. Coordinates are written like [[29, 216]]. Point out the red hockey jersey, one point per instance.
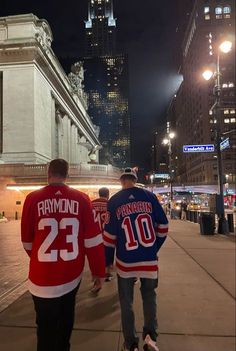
[[100, 207], [58, 230]]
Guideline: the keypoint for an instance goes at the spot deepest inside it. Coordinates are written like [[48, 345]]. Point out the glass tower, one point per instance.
[[107, 84]]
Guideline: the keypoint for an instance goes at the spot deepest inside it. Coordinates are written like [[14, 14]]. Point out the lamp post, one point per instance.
[[168, 141], [225, 47]]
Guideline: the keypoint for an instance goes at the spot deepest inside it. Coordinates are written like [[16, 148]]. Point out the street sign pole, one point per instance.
[[223, 224]]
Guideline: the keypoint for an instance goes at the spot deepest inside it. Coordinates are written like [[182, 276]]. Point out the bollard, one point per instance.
[[191, 216], [187, 215], [16, 215], [230, 218]]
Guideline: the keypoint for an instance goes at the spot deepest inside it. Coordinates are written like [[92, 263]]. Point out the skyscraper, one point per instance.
[[100, 28], [107, 84]]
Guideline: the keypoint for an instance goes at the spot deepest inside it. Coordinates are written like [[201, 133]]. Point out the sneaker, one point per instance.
[[96, 288], [109, 277], [150, 345]]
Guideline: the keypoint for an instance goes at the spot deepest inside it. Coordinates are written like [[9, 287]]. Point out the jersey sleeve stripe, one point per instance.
[[162, 230], [137, 267], [109, 242], [161, 235], [97, 240], [109, 236], [163, 225], [27, 246]]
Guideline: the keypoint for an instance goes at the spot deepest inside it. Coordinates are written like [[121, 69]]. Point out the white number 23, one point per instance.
[[52, 256]]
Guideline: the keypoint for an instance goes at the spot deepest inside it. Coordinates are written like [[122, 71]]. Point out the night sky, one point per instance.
[[147, 31]]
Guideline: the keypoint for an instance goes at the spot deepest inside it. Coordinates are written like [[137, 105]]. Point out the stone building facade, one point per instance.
[[43, 113]]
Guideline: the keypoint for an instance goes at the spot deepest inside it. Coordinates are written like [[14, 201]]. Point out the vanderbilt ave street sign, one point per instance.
[[199, 148]]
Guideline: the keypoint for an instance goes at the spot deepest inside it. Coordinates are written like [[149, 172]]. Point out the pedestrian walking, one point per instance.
[[100, 208], [58, 230], [184, 211], [137, 227]]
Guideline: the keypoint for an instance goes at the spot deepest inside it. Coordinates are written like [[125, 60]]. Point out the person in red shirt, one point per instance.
[[100, 207], [58, 230]]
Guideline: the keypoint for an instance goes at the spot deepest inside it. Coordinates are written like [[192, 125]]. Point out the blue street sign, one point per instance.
[[199, 148], [224, 144], [162, 176]]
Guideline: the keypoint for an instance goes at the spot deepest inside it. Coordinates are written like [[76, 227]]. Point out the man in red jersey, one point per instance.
[[58, 230], [100, 207]]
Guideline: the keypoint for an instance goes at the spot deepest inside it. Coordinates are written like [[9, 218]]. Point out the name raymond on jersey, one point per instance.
[[58, 206], [134, 207]]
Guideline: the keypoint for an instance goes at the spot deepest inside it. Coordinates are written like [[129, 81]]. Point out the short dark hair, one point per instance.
[[128, 177], [58, 168], [103, 192]]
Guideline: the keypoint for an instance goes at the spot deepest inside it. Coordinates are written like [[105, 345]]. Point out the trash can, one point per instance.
[[230, 218], [207, 223]]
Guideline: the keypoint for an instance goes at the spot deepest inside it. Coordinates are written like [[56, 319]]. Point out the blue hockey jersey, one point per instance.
[[136, 227]]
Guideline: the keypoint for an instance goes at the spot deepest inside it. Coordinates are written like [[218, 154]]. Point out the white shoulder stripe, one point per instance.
[[97, 240], [27, 246]]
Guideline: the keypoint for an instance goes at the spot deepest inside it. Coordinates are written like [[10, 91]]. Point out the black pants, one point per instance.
[[55, 320]]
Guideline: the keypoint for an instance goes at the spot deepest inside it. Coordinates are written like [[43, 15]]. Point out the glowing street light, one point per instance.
[[172, 135], [165, 141], [207, 75], [226, 46]]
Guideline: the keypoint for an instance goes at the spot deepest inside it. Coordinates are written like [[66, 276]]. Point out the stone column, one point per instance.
[[54, 131]]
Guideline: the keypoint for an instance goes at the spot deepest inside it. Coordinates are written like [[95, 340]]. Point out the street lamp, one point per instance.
[[224, 47], [168, 141]]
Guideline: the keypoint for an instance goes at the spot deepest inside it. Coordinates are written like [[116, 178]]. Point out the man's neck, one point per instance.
[[128, 187], [56, 181]]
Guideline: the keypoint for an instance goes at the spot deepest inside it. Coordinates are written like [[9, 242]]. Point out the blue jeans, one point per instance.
[[126, 295]]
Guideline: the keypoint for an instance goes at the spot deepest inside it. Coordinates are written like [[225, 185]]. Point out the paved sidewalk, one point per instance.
[[13, 264], [196, 298]]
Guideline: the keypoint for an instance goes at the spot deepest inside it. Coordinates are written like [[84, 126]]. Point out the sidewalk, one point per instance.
[[196, 299]]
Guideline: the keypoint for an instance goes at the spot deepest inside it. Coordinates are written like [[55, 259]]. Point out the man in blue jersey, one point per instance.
[[137, 228]]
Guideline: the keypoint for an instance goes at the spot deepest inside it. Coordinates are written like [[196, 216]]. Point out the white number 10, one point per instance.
[[72, 238]]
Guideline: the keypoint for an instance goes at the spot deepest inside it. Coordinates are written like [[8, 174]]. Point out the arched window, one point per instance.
[[227, 9], [218, 10]]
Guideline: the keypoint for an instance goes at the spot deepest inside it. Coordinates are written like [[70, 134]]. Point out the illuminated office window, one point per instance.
[[218, 10], [227, 9]]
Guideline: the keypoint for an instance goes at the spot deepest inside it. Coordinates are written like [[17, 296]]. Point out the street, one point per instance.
[[196, 297]]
